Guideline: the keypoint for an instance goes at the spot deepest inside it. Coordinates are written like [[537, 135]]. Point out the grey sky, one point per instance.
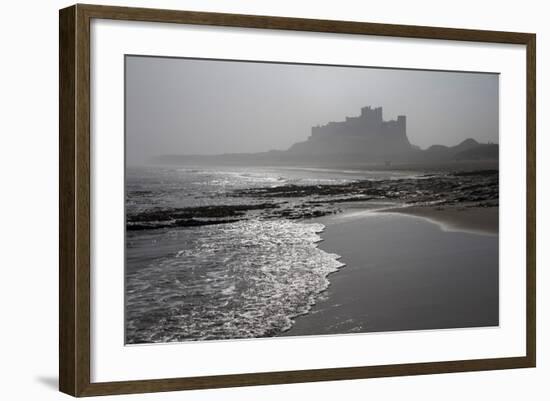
[[182, 106]]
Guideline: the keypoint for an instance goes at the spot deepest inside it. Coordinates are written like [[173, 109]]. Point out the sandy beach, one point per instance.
[[408, 269], [308, 252]]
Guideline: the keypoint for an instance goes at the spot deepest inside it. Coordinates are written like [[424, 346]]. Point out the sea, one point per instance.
[[243, 279]]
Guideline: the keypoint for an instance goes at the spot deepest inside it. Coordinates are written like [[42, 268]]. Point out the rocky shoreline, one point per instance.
[[467, 189]]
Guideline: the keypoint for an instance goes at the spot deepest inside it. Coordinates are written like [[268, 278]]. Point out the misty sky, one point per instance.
[[182, 106]]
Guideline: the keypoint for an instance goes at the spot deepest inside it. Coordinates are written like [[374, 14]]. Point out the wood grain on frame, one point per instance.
[[74, 199]]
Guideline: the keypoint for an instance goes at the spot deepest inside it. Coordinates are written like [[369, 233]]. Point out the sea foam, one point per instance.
[[241, 280]]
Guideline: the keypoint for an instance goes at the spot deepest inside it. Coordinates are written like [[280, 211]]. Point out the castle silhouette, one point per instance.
[[367, 133]]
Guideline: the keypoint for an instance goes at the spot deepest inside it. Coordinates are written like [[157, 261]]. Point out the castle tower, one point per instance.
[[374, 115], [402, 123]]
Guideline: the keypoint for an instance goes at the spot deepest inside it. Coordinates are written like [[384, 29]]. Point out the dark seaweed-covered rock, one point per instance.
[[191, 216], [177, 223], [472, 186]]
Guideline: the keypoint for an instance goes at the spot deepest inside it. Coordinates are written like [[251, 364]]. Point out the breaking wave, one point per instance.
[[244, 279]]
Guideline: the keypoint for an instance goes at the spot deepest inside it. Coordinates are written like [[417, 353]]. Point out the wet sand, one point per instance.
[[463, 217], [405, 273]]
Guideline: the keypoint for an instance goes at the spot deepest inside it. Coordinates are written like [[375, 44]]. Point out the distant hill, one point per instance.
[[481, 152], [365, 139], [468, 149]]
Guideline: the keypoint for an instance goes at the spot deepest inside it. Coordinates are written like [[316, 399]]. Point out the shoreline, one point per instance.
[[409, 245], [470, 218], [405, 271], [466, 217]]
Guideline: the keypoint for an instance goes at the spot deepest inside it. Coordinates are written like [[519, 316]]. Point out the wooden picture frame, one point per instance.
[[74, 199]]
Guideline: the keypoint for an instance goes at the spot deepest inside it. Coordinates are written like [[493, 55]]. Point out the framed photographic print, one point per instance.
[[250, 200]]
